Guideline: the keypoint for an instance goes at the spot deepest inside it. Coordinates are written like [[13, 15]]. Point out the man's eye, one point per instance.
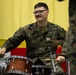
[[40, 11]]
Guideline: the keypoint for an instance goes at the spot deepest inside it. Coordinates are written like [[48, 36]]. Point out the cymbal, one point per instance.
[[53, 41], [68, 54], [48, 43], [62, 54]]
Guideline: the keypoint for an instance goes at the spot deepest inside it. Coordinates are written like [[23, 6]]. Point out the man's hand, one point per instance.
[[60, 58], [2, 50]]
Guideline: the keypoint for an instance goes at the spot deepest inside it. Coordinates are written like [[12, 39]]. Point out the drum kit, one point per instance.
[[20, 65]]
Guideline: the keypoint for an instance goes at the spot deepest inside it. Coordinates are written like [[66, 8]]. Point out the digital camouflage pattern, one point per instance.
[[70, 42], [35, 36]]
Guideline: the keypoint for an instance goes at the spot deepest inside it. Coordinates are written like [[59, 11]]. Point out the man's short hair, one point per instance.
[[41, 4]]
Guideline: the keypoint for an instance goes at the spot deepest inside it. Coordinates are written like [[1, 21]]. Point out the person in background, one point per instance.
[[36, 36], [69, 46]]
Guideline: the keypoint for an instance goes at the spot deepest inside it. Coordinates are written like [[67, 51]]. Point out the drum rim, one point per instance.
[[16, 72], [21, 57], [41, 66]]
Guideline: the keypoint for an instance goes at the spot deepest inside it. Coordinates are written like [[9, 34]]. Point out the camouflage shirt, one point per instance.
[[35, 37]]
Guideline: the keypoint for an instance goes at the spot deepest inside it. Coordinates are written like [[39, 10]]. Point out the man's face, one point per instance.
[[40, 13]]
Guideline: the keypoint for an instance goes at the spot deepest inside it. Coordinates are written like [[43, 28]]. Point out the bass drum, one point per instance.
[[18, 65]]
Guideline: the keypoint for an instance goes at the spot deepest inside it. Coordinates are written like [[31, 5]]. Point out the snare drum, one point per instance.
[[19, 65]]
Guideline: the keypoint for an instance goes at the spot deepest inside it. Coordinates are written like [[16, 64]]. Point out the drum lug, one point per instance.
[[12, 68], [27, 61], [7, 61], [13, 59]]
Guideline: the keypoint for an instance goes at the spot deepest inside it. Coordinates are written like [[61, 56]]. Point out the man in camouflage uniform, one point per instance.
[[37, 36]]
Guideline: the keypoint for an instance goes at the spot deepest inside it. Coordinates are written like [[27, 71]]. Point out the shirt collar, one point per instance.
[[36, 27]]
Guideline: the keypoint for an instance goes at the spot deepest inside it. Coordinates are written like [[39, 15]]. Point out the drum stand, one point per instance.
[[68, 66], [53, 69]]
